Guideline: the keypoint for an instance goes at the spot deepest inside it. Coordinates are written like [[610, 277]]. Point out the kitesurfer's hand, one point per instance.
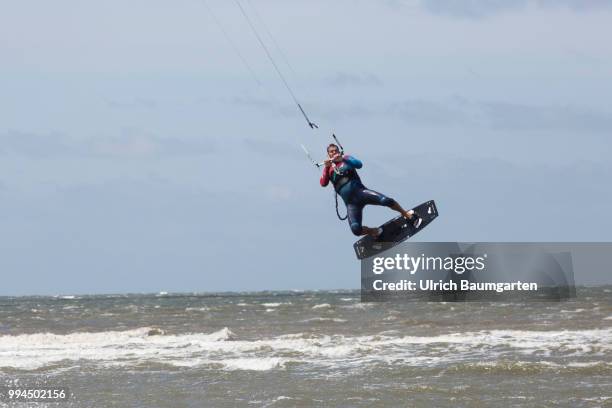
[[327, 162]]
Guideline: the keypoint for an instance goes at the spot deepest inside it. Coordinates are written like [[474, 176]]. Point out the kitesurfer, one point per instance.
[[341, 170]]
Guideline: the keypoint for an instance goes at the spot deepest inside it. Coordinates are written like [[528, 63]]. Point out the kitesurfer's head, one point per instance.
[[333, 151]]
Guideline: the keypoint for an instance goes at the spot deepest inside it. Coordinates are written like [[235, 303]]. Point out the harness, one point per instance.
[[340, 178]]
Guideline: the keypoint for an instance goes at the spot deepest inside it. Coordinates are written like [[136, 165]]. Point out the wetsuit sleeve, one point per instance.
[[353, 162], [325, 177]]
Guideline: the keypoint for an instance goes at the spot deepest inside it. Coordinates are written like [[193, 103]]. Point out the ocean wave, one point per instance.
[[231, 364], [34, 351], [572, 311], [254, 364], [324, 319], [223, 349], [197, 309], [275, 304], [531, 367], [322, 306], [66, 297], [360, 306]]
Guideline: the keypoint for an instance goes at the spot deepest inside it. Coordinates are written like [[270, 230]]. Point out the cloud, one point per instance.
[[138, 103], [349, 111], [177, 236], [430, 113], [471, 8], [36, 145], [496, 199], [577, 5], [132, 143], [279, 193], [253, 102], [503, 115], [123, 230], [487, 114], [263, 104], [347, 80], [486, 8], [272, 148]]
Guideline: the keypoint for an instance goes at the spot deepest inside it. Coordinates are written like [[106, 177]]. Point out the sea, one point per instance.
[[307, 349]]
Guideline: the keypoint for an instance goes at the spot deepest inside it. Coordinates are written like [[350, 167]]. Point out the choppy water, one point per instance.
[[310, 349]]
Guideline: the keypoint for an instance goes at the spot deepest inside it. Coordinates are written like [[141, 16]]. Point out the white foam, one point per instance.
[[275, 304], [322, 306], [33, 351], [324, 319], [572, 311], [282, 397], [223, 349], [254, 364], [587, 364], [197, 309], [360, 305]]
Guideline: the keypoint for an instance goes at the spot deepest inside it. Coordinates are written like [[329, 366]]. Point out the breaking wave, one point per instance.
[[480, 351]]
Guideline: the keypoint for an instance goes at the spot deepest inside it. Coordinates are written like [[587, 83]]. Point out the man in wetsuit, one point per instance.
[[342, 172]]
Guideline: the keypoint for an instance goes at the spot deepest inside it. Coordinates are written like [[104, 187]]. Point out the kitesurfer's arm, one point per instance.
[[353, 162], [325, 177]]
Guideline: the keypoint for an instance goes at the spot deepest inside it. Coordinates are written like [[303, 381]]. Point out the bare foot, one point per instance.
[[373, 232], [411, 215], [408, 214]]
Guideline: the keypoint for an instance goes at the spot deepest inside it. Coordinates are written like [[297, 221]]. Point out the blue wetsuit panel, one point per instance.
[[356, 195], [359, 198]]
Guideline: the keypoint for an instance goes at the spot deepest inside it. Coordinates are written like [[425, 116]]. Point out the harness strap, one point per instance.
[[338, 211]]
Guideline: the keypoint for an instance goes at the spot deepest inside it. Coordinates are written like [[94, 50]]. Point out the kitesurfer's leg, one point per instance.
[[354, 216], [354, 213], [368, 196], [373, 232], [407, 214], [410, 214]]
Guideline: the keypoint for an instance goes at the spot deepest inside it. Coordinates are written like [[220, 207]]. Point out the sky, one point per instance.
[[140, 153]]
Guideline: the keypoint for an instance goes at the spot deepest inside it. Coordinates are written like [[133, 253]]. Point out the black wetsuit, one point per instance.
[[356, 196]]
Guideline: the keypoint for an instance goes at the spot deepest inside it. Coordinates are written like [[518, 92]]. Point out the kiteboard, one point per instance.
[[395, 231]]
